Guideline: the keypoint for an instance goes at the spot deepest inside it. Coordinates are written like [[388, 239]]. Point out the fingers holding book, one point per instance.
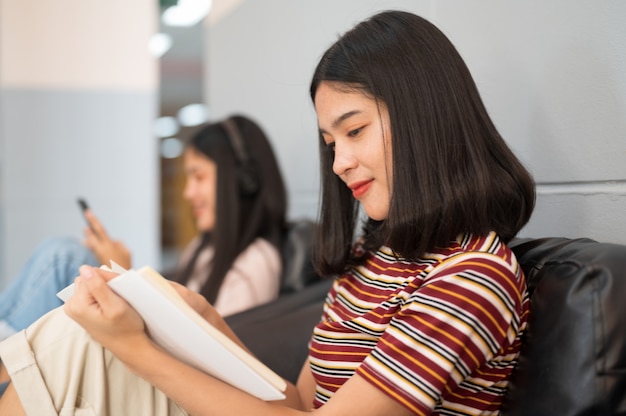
[[107, 317]]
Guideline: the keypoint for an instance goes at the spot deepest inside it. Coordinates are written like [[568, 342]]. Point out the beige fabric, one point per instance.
[[57, 369]]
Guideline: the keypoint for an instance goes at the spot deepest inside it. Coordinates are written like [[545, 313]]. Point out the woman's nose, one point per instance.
[[344, 160]]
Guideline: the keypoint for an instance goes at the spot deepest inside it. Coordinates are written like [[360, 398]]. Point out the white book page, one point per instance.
[[177, 328]]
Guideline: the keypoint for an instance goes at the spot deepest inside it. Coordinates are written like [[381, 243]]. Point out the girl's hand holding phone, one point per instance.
[[98, 241]]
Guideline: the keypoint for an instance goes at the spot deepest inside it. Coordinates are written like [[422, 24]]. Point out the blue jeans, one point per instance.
[[32, 293]]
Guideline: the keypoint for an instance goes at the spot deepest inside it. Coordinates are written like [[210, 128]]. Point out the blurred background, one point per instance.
[[95, 98]]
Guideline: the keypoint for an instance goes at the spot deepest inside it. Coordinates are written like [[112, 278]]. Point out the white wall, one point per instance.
[[552, 74], [78, 97]]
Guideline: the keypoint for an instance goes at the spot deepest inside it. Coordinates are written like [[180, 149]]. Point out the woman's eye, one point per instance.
[[355, 132], [330, 146]]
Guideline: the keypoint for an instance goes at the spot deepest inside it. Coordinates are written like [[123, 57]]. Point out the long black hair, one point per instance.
[[452, 171], [242, 215]]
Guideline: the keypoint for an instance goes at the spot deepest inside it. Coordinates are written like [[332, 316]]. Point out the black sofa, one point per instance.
[[573, 361]]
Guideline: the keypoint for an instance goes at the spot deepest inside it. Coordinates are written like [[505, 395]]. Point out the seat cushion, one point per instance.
[[573, 361], [278, 333], [298, 271]]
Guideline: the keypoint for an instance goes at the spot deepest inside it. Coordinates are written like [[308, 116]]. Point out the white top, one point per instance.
[[254, 278]]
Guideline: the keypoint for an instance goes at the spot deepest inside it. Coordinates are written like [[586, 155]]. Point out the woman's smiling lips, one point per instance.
[[197, 210], [359, 188]]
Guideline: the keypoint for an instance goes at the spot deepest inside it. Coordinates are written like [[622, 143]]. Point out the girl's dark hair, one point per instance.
[[241, 216], [452, 171]]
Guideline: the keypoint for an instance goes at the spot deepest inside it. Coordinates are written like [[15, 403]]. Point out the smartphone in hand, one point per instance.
[[82, 203]]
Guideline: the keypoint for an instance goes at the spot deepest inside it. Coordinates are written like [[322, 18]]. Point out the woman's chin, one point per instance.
[[376, 215], [204, 226]]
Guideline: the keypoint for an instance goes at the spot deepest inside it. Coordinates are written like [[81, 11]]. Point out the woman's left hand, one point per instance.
[[198, 303], [107, 317]]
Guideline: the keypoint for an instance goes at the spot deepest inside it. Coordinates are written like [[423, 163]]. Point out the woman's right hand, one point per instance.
[[107, 317], [103, 247]]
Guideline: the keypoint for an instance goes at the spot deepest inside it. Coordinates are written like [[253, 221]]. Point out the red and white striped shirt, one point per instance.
[[440, 335]]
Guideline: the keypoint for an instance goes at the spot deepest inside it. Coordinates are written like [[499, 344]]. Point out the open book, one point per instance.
[[181, 331]]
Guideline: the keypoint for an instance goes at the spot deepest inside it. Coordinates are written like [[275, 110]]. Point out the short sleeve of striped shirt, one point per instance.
[[453, 344]]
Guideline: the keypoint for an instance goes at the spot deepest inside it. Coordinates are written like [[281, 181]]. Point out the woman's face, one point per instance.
[[357, 128], [201, 188]]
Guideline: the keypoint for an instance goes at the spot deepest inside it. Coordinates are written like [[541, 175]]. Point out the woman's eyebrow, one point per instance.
[[341, 119]]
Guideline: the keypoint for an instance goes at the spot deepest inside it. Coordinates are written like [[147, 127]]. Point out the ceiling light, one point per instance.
[[186, 12], [171, 148], [159, 44], [193, 115], [166, 126]]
